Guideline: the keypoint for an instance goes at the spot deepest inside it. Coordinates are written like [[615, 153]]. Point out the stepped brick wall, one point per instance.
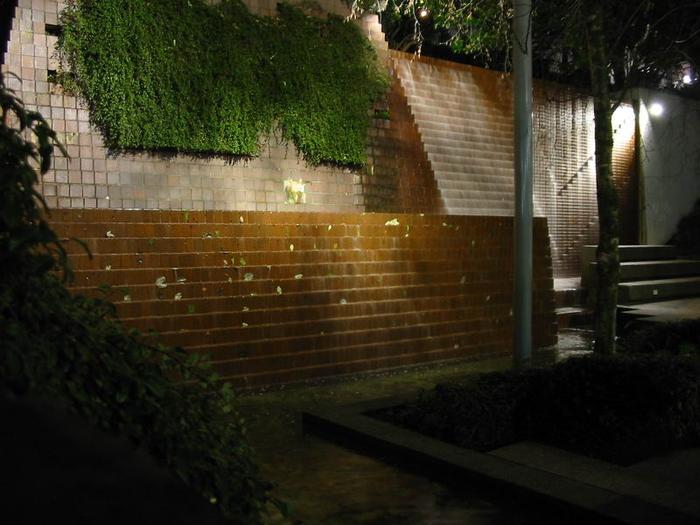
[[279, 297], [400, 177], [445, 148], [464, 117]]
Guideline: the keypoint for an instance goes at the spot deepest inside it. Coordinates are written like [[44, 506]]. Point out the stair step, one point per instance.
[[655, 290], [571, 297], [573, 316], [642, 252], [645, 270]]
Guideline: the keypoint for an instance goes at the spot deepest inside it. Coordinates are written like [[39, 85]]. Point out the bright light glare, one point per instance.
[[656, 109], [687, 79], [423, 12]]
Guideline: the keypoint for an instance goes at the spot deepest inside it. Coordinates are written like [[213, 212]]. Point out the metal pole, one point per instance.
[[522, 70]]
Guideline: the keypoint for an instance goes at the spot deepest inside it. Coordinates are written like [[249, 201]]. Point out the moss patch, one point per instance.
[[180, 75]]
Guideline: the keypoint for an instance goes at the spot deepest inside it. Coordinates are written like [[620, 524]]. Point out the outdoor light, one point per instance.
[[656, 109], [423, 12], [687, 79]]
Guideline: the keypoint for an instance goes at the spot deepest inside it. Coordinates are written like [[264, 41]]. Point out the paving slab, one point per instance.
[[668, 481], [591, 490], [666, 311]]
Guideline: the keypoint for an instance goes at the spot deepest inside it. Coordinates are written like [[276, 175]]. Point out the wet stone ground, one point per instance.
[[325, 484]]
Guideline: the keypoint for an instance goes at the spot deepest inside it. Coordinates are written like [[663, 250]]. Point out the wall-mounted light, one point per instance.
[[656, 109]]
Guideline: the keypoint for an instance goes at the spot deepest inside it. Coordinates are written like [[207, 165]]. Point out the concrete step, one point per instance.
[[655, 290], [642, 252], [645, 270], [568, 297], [573, 317]]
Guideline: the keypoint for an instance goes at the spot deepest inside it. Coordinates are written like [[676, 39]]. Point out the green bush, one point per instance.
[[185, 76], [615, 408], [59, 345]]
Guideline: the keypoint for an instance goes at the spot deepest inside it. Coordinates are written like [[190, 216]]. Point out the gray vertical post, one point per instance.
[[522, 69]]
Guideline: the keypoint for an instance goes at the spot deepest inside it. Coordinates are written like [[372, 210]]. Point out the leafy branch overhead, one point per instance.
[[181, 75]]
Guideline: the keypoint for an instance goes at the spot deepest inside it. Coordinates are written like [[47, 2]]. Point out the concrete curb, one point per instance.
[[349, 426]]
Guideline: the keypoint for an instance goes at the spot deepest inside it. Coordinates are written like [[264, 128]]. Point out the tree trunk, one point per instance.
[[607, 254]]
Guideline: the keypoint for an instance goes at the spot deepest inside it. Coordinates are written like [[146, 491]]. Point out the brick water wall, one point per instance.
[[400, 175], [280, 297], [464, 118]]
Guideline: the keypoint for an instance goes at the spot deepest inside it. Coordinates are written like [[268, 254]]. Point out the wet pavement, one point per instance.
[[326, 484]]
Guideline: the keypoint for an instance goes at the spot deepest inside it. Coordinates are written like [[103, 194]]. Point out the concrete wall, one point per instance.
[[669, 162]]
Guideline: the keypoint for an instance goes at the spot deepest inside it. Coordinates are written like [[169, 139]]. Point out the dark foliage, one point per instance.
[[687, 234], [676, 338], [615, 408], [67, 347]]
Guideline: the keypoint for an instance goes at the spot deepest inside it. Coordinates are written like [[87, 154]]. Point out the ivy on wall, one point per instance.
[[181, 75]]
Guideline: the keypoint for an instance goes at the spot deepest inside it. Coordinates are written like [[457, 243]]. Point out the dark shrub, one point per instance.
[[687, 235], [676, 338], [481, 416], [71, 348], [619, 409]]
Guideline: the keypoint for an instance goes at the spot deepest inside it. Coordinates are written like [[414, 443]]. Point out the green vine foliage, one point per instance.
[[181, 75], [74, 348]]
